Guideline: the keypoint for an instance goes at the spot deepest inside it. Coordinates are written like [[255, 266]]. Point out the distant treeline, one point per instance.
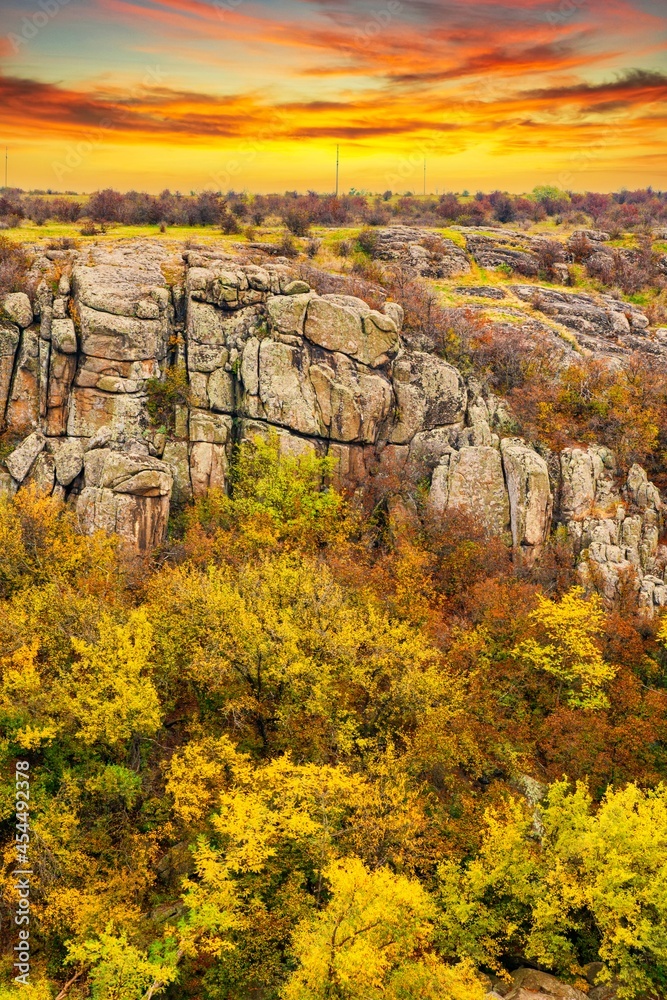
[[616, 213]]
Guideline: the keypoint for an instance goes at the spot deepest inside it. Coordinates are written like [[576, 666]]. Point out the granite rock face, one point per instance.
[[427, 254], [586, 315], [615, 533], [257, 352], [126, 492], [495, 248]]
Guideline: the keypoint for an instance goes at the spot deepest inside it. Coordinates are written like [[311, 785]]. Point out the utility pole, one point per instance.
[[6, 167], [337, 167], [424, 176]]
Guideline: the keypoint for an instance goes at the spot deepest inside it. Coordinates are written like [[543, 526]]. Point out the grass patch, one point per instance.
[[28, 232]]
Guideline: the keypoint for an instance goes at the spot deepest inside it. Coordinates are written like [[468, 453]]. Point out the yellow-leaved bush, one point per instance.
[[596, 873], [566, 645], [374, 939]]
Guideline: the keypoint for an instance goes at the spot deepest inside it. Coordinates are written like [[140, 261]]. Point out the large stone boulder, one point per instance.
[[472, 481], [503, 248], [529, 490], [127, 493], [18, 309], [21, 459], [589, 316], [428, 254], [530, 984], [353, 403], [429, 392], [586, 481], [349, 326], [9, 342], [286, 397], [22, 414]]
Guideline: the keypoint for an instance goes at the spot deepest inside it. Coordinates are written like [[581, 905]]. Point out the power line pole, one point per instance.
[[424, 176], [6, 166], [337, 167]]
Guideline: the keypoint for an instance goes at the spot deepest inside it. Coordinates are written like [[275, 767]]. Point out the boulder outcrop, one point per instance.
[[615, 533], [256, 350], [427, 254], [502, 248], [588, 316]]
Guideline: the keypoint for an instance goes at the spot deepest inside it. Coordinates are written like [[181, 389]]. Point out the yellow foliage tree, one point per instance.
[[566, 645], [373, 940], [111, 696], [282, 647], [596, 875]]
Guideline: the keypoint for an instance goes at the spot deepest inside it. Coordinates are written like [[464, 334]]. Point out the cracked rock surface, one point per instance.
[[260, 352]]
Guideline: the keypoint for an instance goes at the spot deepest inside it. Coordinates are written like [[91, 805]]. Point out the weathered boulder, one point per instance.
[[531, 501], [21, 459], [616, 536], [286, 396], [427, 254], [471, 481], [9, 342], [122, 284], [127, 493], [22, 414], [209, 464], [42, 475], [642, 493], [531, 982], [18, 309], [8, 485], [210, 452], [287, 314], [176, 456], [353, 403], [62, 369], [589, 316], [91, 410], [503, 248], [121, 338], [221, 391], [69, 460], [586, 481], [63, 336], [349, 326], [429, 393]]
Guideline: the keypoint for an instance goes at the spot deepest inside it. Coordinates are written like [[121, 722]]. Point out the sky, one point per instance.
[[257, 94]]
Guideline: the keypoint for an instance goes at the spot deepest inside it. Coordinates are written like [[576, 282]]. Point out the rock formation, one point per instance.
[[260, 351], [615, 533], [427, 254]]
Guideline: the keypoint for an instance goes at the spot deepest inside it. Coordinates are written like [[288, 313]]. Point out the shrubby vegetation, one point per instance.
[[616, 213], [285, 757]]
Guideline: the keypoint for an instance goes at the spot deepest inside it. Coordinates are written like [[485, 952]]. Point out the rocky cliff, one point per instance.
[[258, 351]]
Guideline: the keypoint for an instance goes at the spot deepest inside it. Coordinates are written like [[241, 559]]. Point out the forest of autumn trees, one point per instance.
[[298, 754]]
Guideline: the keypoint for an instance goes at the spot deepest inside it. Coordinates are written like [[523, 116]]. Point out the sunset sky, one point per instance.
[[252, 94]]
